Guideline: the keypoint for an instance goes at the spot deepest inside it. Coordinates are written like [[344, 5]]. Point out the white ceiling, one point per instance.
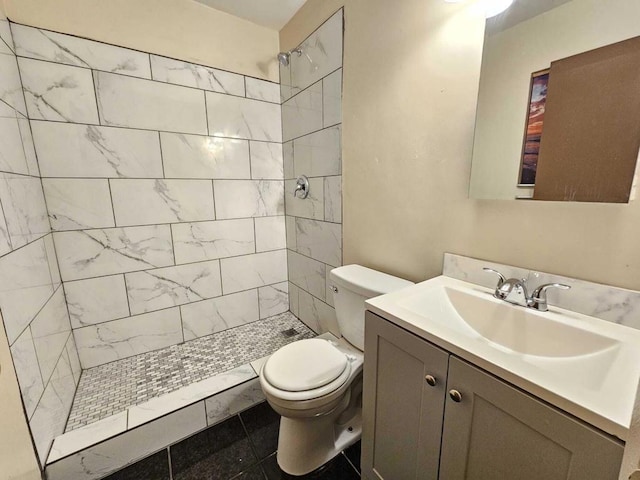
[[520, 11], [272, 14]]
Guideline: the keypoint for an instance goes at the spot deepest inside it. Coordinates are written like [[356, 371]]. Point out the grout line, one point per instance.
[[206, 113], [95, 95], [126, 293], [169, 463], [164, 175]]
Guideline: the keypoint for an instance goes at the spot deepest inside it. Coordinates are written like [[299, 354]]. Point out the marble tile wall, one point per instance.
[[164, 183], [311, 90], [32, 300]]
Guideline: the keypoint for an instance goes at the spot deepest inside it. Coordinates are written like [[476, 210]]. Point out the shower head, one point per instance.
[[284, 57]]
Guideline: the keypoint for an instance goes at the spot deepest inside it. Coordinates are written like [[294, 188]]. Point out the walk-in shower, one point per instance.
[[284, 57]]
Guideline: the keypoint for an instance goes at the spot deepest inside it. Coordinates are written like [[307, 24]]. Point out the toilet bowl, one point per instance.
[[316, 384]]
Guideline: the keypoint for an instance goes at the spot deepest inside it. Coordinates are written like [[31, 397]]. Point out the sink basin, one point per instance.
[[519, 329]]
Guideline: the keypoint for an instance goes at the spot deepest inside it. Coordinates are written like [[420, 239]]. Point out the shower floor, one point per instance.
[[108, 389]]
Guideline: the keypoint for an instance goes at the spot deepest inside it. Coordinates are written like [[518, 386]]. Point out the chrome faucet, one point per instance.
[[514, 290]]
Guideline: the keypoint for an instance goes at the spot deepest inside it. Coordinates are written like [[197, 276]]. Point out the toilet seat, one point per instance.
[[305, 370]]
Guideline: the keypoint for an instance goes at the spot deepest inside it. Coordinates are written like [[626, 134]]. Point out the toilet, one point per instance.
[[316, 384]]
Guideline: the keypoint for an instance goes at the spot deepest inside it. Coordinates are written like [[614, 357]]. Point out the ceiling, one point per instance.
[[272, 14], [520, 11]]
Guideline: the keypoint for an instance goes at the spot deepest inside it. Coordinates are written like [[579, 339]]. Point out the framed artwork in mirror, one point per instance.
[[533, 128]]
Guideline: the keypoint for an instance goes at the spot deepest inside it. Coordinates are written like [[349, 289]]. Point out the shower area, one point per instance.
[[152, 252]]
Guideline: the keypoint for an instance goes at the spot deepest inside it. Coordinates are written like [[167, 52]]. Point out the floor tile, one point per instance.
[[155, 467], [353, 454], [262, 424], [254, 473], [219, 452], [338, 469]]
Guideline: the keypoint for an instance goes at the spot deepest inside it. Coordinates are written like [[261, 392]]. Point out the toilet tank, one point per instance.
[[352, 285]]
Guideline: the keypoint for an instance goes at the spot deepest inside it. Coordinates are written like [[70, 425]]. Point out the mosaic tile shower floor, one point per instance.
[[112, 388]]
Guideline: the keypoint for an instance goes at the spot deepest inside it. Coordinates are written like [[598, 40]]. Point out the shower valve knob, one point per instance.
[[431, 380]]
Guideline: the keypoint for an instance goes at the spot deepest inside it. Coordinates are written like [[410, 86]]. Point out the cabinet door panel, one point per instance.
[[402, 413], [499, 432]]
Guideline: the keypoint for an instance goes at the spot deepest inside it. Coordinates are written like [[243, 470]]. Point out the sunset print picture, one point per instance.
[[533, 131]]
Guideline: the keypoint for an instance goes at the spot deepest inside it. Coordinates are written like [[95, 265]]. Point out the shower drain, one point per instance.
[[291, 332]]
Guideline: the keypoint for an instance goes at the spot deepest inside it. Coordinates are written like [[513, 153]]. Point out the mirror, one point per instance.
[[521, 45]]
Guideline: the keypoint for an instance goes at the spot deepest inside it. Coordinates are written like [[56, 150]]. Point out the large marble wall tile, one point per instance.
[[56, 47], [52, 259], [317, 315], [194, 156], [321, 241], [332, 99], [198, 76], [70, 150], [12, 155], [74, 359], [290, 226], [232, 401], [194, 242], [26, 364], [5, 34], [329, 291], [321, 53], [470, 270], [136, 103], [24, 208], [293, 299], [5, 241], [302, 114], [210, 316], [319, 154], [333, 199], [50, 330], [248, 198], [96, 300], [93, 253], [243, 118], [287, 154], [161, 201], [262, 90], [273, 299], [310, 207], [10, 84], [25, 286], [251, 271], [266, 161], [166, 287], [106, 342], [29, 147], [50, 416], [270, 233], [307, 273], [74, 204], [286, 88], [58, 92]]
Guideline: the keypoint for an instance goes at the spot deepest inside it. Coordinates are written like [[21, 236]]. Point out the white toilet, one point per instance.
[[316, 384]]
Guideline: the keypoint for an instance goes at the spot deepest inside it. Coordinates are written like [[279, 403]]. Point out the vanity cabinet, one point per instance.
[[430, 415]]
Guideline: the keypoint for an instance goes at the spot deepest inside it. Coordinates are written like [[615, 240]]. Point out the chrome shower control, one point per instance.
[[431, 380]]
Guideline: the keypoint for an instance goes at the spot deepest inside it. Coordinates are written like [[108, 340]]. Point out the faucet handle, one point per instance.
[[539, 295], [502, 277]]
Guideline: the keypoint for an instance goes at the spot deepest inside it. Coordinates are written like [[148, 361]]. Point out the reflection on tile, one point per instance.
[[243, 118], [210, 240], [70, 150], [106, 342], [319, 154], [306, 273], [170, 402], [96, 300], [302, 114], [50, 330], [198, 76], [321, 241], [287, 154], [204, 318], [24, 208], [161, 201], [262, 424], [193, 156], [273, 299], [75, 204], [261, 90], [333, 199], [317, 315], [25, 286], [248, 198], [270, 233], [26, 364], [266, 161], [251, 271], [310, 207], [232, 401], [136, 103], [58, 92], [166, 287], [55, 47], [91, 253], [10, 84], [155, 466], [332, 99]]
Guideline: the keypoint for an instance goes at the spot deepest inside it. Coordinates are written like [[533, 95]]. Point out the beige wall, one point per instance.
[[411, 73], [310, 16], [181, 29]]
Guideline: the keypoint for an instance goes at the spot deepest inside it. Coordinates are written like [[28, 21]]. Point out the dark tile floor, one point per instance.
[[240, 448]]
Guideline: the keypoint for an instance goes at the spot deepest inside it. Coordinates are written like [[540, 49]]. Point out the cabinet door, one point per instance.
[[402, 412], [498, 432]]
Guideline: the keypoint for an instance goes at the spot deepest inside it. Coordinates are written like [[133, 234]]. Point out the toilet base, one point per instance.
[[306, 444]]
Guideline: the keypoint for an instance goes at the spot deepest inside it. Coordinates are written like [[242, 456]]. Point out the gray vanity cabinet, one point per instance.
[[470, 425]]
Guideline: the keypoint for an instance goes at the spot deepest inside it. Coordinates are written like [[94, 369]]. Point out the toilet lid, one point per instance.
[[304, 365]]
